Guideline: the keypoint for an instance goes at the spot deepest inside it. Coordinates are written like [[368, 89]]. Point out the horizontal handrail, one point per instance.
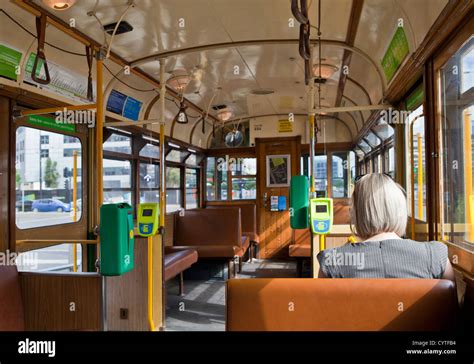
[[56, 241]]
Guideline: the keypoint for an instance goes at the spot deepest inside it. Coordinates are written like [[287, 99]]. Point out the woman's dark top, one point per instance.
[[392, 258]]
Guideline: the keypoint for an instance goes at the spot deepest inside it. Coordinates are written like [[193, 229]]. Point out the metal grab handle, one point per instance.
[[45, 81], [300, 15], [41, 33]]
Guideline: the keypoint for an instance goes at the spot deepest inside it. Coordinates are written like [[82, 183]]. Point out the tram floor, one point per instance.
[[202, 308]]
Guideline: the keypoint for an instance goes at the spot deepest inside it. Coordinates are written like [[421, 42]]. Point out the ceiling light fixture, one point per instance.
[[178, 82], [59, 4], [224, 115], [181, 117], [327, 70]]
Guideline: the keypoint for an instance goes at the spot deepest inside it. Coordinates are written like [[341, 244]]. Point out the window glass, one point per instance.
[[340, 176], [57, 258], [117, 181], [416, 164], [173, 189], [244, 167], [176, 155], [467, 69], [373, 140], [320, 175], [118, 143], [382, 129], [456, 118], [44, 180], [364, 146], [150, 151], [244, 188], [192, 196], [149, 182]]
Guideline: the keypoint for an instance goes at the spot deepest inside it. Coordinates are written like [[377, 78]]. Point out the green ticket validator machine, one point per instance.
[[116, 239], [148, 219], [299, 202], [321, 213]]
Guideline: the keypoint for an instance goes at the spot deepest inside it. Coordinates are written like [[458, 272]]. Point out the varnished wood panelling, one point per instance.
[[129, 291], [64, 302]]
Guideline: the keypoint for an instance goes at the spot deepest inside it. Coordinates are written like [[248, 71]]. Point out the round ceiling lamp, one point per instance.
[[59, 4], [224, 114], [327, 70], [178, 82]]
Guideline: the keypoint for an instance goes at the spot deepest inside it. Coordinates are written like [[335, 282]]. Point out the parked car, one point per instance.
[[25, 206], [49, 204]]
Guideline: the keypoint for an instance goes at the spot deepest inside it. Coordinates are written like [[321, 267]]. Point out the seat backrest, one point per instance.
[[298, 304], [11, 303], [208, 227], [248, 214]]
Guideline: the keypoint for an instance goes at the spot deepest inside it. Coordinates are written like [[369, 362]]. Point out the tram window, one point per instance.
[[117, 181], [44, 181], [364, 146], [149, 182], [304, 165], [320, 175], [457, 119], [173, 189], [244, 167], [390, 163], [150, 151], [175, 155], [240, 173], [416, 164], [353, 173], [118, 143], [57, 258], [192, 192], [382, 129], [340, 175], [372, 139]]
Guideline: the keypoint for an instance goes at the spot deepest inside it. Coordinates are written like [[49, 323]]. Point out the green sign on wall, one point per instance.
[[415, 99], [45, 121], [396, 52], [9, 61]]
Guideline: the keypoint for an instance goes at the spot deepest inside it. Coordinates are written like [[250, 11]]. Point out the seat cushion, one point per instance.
[[178, 261], [300, 250]]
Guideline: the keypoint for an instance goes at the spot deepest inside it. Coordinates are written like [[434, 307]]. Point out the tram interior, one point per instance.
[[206, 110]]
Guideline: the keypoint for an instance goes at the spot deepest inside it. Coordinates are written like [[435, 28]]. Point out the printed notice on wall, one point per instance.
[[9, 61], [63, 81], [285, 126], [396, 52]]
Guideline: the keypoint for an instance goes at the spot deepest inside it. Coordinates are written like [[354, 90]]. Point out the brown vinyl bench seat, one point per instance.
[[176, 262], [341, 304], [213, 233]]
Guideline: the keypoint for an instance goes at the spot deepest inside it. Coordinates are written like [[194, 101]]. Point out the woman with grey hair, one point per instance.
[[379, 216]]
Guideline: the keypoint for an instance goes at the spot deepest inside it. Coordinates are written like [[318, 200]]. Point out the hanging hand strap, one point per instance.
[[90, 58], [41, 33]]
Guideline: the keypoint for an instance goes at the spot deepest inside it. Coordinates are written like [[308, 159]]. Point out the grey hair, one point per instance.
[[379, 205]]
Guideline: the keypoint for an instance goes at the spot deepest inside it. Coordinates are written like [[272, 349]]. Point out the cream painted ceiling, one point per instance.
[[277, 67]]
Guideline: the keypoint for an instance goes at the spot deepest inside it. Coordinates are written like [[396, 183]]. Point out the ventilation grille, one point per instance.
[[123, 27]]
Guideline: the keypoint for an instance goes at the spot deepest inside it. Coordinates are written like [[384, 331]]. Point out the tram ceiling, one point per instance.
[[234, 36]]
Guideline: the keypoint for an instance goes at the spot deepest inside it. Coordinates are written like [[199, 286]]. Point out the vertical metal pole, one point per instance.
[[162, 184], [468, 176], [99, 168], [312, 181], [74, 204], [420, 177]]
